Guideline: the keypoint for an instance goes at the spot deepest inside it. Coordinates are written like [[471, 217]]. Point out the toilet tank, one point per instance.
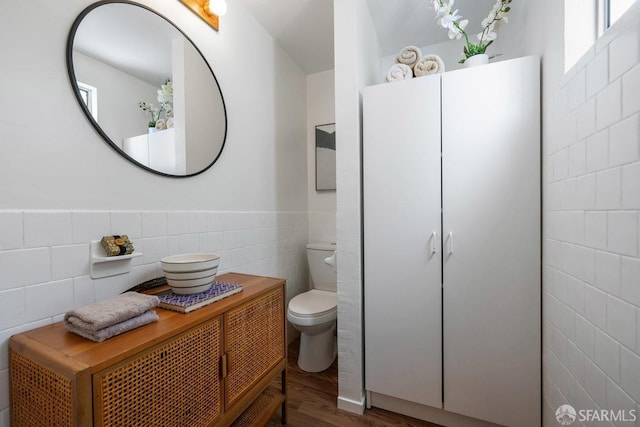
[[323, 276]]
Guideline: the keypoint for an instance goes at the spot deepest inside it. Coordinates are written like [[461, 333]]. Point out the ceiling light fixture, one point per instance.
[[208, 10]]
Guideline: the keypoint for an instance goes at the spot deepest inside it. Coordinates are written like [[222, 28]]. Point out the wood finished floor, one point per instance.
[[312, 402]]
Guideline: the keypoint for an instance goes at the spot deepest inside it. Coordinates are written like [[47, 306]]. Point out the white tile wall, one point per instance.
[[591, 313], [44, 258]]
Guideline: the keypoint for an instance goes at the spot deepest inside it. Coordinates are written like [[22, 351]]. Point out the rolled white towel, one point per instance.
[[399, 72], [430, 64], [409, 56]]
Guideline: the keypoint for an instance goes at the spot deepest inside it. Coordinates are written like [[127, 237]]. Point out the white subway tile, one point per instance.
[[84, 291], [178, 223], [215, 222], [12, 308], [128, 223], [608, 272], [623, 142], [623, 53], [69, 261], [154, 224], [577, 89], [595, 306], [630, 373], [586, 192], [88, 226], [575, 294], [559, 285], [24, 267], [609, 105], [11, 231], [561, 102], [5, 418], [598, 151], [4, 389], [622, 236], [575, 361], [183, 244], [559, 345], [48, 299], [609, 189], [630, 280], [618, 400], [139, 275], [213, 242], [585, 336], [596, 229], [621, 321], [561, 164], [155, 248], [578, 158], [607, 354], [598, 73], [638, 331], [567, 321], [631, 89], [587, 264], [197, 222], [586, 119], [595, 383], [631, 186], [108, 287], [45, 228]]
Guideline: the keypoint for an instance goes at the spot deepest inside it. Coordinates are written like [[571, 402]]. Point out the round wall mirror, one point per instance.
[[146, 88]]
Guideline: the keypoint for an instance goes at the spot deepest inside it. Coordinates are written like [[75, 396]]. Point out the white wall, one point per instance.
[[320, 110], [358, 64], [591, 183], [63, 186]]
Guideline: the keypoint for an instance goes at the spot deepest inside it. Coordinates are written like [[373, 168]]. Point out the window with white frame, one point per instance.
[[585, 21], [89, 95]]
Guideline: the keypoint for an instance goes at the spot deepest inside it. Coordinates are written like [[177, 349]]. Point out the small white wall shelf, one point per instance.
[[105, 266]]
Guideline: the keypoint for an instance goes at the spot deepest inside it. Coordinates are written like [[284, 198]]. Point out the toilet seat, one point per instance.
[[313, 308]]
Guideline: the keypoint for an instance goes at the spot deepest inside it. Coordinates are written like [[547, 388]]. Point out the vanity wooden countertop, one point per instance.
[[79, 354]]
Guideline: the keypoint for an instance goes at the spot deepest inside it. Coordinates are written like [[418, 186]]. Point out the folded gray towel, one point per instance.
[[103, 314], [113, 330]]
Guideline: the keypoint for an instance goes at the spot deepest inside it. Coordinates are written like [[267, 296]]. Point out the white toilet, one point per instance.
[[314, 312]]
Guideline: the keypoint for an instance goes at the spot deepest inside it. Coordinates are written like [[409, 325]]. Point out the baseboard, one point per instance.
[[423, 412], [354, 406]]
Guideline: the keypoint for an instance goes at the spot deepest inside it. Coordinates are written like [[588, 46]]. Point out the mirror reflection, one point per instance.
[[146, 88]]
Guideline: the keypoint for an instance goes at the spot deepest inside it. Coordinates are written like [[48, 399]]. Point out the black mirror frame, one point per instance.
[[85, 109]]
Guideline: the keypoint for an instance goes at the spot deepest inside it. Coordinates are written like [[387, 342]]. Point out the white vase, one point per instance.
[[153, 130], [479, 59]]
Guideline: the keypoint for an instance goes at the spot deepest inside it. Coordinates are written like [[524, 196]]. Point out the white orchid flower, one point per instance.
[[447, 21], [456, 31], [442, 9]]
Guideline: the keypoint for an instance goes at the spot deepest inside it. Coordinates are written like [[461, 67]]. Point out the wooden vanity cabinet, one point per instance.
[[211, 367]]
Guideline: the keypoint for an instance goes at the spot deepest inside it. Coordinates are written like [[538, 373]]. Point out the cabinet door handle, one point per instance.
[[434, 237], [451, 243]]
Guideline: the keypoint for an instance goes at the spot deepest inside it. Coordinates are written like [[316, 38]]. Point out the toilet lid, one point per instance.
[[313, 303]]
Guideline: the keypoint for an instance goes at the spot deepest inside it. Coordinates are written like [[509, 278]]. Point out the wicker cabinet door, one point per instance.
[[255, 341], [175, 384]]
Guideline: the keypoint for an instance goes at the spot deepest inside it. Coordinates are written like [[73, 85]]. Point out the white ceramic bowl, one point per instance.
[[189, 262], [191, 274], [191, 286]]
